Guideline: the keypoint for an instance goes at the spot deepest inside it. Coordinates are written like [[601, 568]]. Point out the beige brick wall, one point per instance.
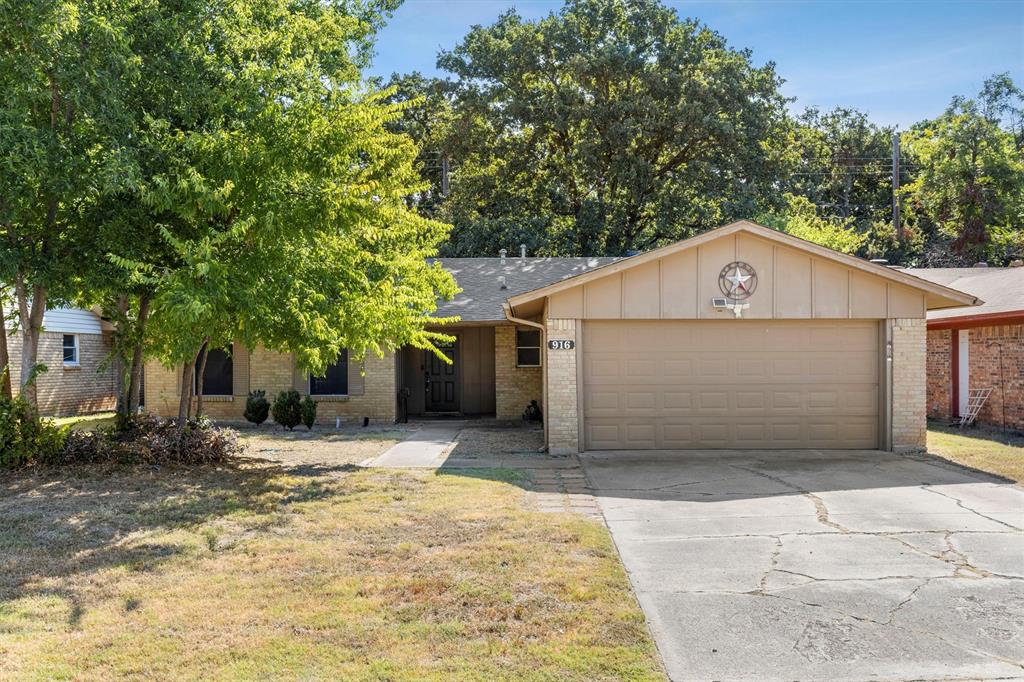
[[64, 391], [514, 387], [275, 372], [909, 384], [562, 413]]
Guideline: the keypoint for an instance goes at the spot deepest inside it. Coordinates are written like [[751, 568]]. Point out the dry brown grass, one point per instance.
[[309, 571]]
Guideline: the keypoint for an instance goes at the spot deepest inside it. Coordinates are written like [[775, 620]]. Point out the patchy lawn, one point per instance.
[[321, 446], [262, 570], [995, 452]]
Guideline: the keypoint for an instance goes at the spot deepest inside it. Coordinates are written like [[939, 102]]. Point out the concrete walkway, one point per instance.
[[425, 448]]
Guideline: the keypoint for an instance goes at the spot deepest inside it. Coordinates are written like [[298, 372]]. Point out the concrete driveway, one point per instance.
[[819, 565]]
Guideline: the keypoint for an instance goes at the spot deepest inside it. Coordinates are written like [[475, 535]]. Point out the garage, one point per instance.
[[743, 337], [730, 384]]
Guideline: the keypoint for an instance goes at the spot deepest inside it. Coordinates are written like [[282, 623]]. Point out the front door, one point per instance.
[[442, 380]]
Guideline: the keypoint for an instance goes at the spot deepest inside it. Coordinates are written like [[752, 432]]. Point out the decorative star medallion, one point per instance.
[[737, 280]]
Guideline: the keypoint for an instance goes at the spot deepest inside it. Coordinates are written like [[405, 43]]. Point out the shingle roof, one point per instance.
[[1001, 289], [482, 296]]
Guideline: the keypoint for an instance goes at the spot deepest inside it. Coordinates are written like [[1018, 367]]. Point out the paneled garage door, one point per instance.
[[730, 384]]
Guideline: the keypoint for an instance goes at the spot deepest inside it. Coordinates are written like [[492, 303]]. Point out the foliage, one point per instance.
[[24, 437], [801, 219], [287, 409], [972, 170], [151, 440], [257, 407], [608, 126], [308, 409]]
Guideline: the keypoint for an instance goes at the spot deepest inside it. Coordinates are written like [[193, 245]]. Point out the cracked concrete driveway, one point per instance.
[[819, 565]]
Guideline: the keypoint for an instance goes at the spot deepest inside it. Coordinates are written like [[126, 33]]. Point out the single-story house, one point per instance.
[[741, 337], [75, 346], [978, 347]]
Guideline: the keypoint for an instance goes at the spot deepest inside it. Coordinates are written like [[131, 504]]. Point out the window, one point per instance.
[[71, 349], [218, 378], [335, 381], [527, 348]]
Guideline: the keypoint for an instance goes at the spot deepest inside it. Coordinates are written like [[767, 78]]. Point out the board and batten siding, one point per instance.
[[792, 284]]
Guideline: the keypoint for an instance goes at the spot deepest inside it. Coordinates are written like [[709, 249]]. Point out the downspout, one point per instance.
[[544, 362]]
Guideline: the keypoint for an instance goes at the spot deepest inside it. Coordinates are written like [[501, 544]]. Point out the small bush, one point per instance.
[[287, 409], [308, 412], [257, 407], [24, 437], [151, 440]]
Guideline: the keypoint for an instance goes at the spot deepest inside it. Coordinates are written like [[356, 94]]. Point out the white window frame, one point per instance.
[[538, 347], [77, 362]]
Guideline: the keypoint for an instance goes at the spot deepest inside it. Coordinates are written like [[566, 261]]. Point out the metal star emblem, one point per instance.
[[738, 280]]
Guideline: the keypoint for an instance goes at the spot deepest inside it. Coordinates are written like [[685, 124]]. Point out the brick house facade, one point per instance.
[[644, 352], [979, 347], [87, 382]]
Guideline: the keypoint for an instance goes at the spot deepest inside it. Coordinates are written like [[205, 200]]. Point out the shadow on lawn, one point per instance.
[[72, 521]]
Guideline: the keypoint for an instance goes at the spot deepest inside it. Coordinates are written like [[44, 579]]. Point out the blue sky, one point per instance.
[[900, 61]]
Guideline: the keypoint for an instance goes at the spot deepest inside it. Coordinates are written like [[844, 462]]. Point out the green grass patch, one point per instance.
[[996, 452]]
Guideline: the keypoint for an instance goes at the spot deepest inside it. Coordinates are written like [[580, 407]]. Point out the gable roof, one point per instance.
[[482, 297], [939, 296], [1001, 288]]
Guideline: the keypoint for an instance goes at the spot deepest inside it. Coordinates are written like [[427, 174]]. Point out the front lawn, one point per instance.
[[995, 452], [261, 570]]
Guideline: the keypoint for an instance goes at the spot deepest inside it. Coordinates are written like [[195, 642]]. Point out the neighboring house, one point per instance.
[[645, 352], [75, 347], [980, 347]]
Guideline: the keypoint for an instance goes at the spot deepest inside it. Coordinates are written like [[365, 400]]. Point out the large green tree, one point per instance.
[[63, 144], [609, 126], [968, 195]]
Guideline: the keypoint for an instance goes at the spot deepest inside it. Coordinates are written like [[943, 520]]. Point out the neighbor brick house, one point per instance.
[[978, 347], [75, 346], [740, 337]]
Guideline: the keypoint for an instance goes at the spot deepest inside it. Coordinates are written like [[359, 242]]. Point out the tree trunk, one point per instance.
[[204, 353], [31, 326], [135, 381], [5, 359], [185, 404], [121, 369]]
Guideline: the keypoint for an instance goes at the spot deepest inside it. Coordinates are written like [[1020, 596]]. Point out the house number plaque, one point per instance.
[[561, 344]]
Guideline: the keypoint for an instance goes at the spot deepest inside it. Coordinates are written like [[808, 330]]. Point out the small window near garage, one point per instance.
[[71, 350], [527, 348], [218, 377], [335, 381]]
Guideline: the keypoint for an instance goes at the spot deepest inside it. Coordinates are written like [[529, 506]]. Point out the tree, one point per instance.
[[609, 126], [968, 188], [62, 126], [272, 196], [801, 219]]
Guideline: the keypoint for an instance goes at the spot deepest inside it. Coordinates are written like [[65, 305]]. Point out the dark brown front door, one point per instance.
[[442, 380]]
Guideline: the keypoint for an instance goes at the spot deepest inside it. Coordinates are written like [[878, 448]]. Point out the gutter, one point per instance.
[[544, 362], [977, 320]]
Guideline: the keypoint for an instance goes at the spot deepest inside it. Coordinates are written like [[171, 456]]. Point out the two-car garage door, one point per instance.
[[730, 384]]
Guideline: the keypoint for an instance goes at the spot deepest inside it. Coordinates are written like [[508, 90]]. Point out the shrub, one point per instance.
[[151, 440], [24, 437], [308, 412], [287, 409], [257, 407]]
